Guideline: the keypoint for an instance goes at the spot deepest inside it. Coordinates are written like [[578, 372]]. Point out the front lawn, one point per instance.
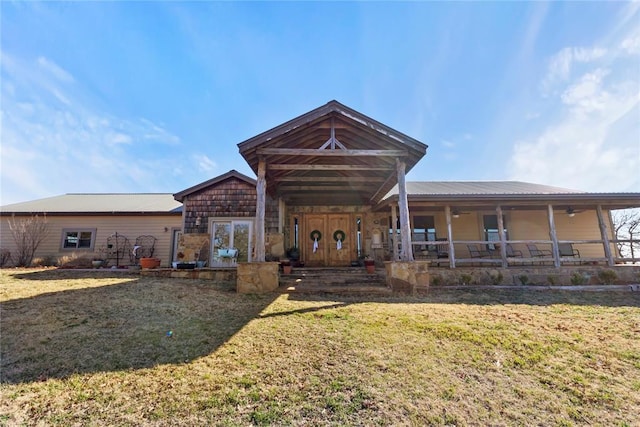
[[103, 348]]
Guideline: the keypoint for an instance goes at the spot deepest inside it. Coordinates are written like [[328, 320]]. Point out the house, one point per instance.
[[331, 185], [100, 226]]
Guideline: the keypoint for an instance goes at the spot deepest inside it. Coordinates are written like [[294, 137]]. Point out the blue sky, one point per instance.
[[154, 96]]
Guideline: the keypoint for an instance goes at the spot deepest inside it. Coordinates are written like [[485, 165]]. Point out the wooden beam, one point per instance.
[[406, 253], [554, 238], [329, 153], [307, 167], [452, 255], [345, 187], [327, 179], [605, 236], [394, 228], [503, 243], [261, 186]]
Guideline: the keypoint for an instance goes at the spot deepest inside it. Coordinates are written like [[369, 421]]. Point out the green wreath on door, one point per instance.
[[339, 235]]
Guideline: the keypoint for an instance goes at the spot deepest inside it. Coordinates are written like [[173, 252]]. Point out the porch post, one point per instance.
[[554, 238], [452, 255], [394, 228], [405, 229], [605, 236], [503, 240], [261, 185]]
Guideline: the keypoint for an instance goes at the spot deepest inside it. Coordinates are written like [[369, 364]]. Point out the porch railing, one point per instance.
[[439, 253]]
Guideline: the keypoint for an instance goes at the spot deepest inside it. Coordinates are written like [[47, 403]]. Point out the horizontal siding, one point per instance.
[[528, 225], [130, 227]]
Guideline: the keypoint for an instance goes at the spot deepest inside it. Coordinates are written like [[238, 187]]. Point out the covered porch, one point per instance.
[[504, 230]]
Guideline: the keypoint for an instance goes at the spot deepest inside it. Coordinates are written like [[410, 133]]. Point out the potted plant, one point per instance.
[[370, 265], [149, 262], [286, 266]]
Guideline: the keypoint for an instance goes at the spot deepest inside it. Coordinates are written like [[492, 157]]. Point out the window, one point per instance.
[[231, 234], [424, 230], [78, 239], [491, 230]]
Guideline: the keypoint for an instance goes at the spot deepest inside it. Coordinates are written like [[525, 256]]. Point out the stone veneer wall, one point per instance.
[[407, 276], [257, 277], [533, 275]]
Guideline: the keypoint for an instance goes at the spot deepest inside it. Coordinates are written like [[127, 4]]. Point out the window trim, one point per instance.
[[65, 231]]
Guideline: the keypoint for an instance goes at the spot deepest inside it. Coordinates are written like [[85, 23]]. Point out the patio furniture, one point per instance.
[[567, 251], [228, 255], [538, 253], [513, 253], [476, 252]]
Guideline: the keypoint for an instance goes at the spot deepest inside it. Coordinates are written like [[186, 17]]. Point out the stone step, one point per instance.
[[348, 280]]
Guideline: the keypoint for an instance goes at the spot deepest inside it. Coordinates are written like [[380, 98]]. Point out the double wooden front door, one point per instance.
[[328, 251]]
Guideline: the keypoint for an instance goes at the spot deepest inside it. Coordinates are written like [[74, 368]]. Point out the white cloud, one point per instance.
[[205, 163], [448, 144], [54, 145], [57, 71], [631, 45], [587, 94], [563, 62], [593, 141]]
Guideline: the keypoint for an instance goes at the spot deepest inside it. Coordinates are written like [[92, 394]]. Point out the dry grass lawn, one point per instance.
[[93, 349]]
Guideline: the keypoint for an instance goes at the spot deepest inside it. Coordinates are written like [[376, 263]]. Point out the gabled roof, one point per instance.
[[331, 155], [104, 203], [213, 181]]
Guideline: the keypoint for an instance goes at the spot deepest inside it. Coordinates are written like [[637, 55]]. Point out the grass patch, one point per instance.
[[91, 349]]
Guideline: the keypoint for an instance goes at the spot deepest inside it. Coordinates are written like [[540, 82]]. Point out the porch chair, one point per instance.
[[567, 251], [538, 253], [476, 252], [513, 253]]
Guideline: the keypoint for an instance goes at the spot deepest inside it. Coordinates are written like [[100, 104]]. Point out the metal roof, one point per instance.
[[479, 187], [107, 203], [509, 193]]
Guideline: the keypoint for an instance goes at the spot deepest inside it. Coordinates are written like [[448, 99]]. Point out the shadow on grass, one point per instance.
[[525, 296], [119, 326]]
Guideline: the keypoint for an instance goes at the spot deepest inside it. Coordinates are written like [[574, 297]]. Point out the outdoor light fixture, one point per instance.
[[456, 214], [198, 221], [571, 212]]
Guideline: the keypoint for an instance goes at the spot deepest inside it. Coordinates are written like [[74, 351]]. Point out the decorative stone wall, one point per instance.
[[257, 277], [532, 275], [274, 245], [405, 277], [193, 247], [221, 275]]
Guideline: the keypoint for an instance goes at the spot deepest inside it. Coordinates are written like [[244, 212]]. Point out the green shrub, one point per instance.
[[553, 280], [436, 281], [578, 279], [496, 279], [524, 279], [607, 277], [466, 279]]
